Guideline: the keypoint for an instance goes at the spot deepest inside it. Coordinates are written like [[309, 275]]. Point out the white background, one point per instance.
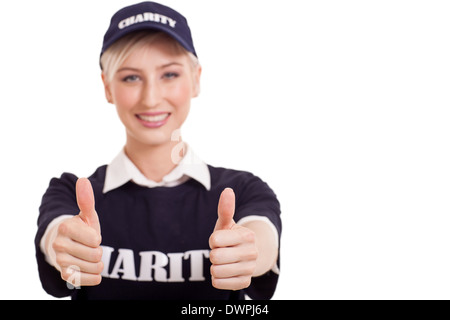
[[341, 106]]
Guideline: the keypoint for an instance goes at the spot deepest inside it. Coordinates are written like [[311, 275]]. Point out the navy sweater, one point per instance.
[[155, 240]]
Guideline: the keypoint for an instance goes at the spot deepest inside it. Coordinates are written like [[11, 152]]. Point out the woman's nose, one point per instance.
[[151, 95]]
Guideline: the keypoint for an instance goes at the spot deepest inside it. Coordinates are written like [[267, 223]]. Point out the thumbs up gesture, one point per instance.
[[233, 249], [77, 241]]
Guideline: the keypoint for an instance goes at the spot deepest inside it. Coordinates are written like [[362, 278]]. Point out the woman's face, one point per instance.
[[152, 91]]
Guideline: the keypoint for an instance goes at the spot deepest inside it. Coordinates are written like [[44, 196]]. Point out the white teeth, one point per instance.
[[157, 118]]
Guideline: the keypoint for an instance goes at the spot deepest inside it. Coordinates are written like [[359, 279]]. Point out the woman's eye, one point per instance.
[[170, 75], [131, 79]]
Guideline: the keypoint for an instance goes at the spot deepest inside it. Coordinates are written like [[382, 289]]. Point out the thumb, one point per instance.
[[86, 203], [225, 210]]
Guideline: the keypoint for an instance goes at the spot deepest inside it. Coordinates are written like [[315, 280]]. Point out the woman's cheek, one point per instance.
[[126, 99], [181, 95]]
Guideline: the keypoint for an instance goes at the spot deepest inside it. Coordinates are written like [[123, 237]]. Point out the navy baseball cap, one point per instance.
[[149, 16]]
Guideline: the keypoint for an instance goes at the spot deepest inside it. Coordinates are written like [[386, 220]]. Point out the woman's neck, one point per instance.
[[154, 161]]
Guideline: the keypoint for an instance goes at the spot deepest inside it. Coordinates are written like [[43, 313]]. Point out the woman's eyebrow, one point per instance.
[[170, 64], [160, 67], [128, 69]]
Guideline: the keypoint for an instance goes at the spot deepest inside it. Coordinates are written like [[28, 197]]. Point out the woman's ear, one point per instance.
[[197, 74], [108, 94]]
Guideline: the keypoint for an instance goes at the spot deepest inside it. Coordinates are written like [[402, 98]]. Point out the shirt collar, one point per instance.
[[122, 169]]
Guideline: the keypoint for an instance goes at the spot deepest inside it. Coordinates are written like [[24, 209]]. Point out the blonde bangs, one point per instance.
[[114, 57]]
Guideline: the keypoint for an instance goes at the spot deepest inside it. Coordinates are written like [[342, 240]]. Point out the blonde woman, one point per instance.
[[157, 222]]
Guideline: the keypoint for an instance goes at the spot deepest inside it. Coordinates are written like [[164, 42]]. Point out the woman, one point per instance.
[[157, 222]]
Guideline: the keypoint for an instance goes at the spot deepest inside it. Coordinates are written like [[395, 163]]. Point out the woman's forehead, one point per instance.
[[158, 52]]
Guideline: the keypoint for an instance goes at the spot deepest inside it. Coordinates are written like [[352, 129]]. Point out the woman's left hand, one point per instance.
[[233, 248]]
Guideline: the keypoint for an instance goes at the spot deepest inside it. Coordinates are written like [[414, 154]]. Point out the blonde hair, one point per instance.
[[113, 58]]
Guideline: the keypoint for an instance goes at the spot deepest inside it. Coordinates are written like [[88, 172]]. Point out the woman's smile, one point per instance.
[[153, 119]]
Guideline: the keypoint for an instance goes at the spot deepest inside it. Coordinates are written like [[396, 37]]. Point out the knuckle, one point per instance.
[[97, 254], [216, 283], [97, 240], [246, 282], [213, 256], [100, 267], [249, 270], [249, 254], [212, 270], [61, 261], [253, 254], [63, 228], [66, 273], [213, 241], [97, 279], [248, 235], [215, 271], [58, 245]]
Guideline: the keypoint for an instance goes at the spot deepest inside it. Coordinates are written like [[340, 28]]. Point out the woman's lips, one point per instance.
[[153, 120]]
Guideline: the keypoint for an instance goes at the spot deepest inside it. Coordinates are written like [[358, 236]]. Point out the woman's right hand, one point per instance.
[[77, 248]]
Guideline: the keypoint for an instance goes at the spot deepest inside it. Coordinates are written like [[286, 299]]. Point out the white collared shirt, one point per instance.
[[121, 170]]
